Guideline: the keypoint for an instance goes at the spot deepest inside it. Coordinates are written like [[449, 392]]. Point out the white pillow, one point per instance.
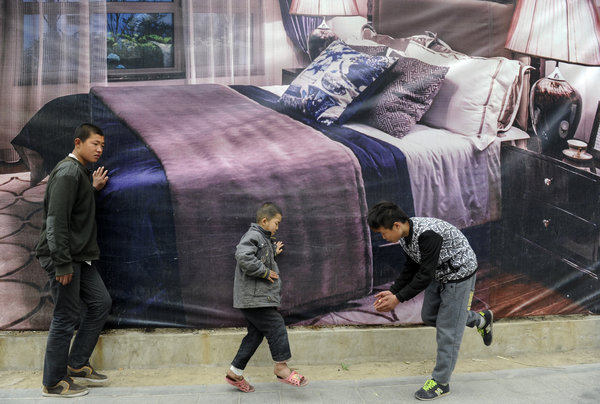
[[475, 95]]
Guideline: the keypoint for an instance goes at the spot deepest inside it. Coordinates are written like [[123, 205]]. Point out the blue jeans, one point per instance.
[[263, 322], [83, 302], [446, 306]]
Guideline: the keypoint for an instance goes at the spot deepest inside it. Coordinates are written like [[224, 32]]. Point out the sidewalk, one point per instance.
[[564, 384]]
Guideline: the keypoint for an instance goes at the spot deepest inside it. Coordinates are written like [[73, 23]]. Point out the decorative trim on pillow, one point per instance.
[[332, 87], [409, 94], [474, 94]]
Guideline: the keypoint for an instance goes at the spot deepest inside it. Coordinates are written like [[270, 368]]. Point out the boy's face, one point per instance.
[[394, 234], [90, 150], [271, 225]]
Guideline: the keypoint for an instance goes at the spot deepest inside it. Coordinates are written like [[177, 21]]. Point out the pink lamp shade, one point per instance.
[[560, 30], [323, 36], [322, 8]]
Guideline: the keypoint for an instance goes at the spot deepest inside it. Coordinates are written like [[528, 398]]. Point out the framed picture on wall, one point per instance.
[[594, 139]]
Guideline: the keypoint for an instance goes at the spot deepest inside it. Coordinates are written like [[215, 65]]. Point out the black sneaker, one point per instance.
[[87, 374], [432, 390], [65, 388], [486, 330]]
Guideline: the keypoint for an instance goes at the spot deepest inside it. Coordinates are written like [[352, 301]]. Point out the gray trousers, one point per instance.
[[447, 308]]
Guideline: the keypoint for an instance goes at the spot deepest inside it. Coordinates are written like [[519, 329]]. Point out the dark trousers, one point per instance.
[[83, 302], [263, 322]]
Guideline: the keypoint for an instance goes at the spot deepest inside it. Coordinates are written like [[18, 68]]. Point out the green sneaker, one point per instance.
[[486, 330], [432, 390], [65, 388], [87, 374]]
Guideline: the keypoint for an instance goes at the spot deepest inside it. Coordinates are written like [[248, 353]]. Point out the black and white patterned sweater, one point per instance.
[[449, 256], [457, 259]]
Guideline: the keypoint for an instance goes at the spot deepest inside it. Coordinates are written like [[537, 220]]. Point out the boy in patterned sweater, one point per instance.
[[439, 261]]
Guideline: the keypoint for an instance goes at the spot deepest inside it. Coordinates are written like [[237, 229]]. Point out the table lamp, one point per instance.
[[321, 37], [563, 31]]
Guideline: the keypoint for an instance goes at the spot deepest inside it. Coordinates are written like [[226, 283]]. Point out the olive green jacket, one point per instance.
[[69, 220]]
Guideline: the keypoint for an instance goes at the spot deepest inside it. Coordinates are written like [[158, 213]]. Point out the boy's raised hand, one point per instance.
[[99, 178], [272, 276], [278, 247]]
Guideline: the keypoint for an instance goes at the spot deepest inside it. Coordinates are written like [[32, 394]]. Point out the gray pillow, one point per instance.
[[371, 50], [400, 104]]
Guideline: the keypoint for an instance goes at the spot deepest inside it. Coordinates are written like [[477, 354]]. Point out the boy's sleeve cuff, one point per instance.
[[399, 297], [64, 269]]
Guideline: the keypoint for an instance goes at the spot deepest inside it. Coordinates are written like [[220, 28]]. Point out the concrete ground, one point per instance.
[[543, 360], [552, 384]]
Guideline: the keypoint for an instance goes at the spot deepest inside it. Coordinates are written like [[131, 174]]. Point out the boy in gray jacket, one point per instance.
[[256, 292]]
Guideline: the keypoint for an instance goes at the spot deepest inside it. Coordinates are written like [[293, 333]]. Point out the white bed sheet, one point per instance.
[[450, 178]]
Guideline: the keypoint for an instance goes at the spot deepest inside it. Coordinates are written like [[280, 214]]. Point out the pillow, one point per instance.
[[332, 87], [430, 40], [371, 50], [398, 44], [367, 46], [477, 93], [510, 108], [402, 102]]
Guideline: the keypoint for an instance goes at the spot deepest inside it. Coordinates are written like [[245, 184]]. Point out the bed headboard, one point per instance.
[[473, 27]]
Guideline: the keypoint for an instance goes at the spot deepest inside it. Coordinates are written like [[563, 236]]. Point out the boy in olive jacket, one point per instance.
[[66, 249], [256, 292]]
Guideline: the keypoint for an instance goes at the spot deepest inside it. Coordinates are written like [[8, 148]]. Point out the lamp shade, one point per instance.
[[324, 7], [561, 30]]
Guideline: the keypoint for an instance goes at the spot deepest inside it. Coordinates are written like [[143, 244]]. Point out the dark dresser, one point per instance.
[[551, 223]]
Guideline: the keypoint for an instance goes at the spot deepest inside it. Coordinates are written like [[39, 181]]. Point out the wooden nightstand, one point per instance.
[[551, 223], [289, 74]]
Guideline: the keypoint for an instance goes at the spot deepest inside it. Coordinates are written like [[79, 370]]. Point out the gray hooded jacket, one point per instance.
[[255, 256]]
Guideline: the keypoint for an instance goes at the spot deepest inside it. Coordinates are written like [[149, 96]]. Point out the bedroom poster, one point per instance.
[[426, 103]]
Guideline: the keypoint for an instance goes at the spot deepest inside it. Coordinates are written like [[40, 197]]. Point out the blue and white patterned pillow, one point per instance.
[[331, 88]]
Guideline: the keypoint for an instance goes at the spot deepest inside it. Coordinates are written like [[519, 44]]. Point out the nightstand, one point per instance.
[[289, 74], [551, 223]]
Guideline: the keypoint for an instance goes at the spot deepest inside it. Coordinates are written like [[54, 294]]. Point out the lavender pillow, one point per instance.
[[398, 107], [371, 50]]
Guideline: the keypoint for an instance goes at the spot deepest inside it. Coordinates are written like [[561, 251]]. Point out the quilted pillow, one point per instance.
[[333, 86], [475, 95], [402, 102], [379, 50]]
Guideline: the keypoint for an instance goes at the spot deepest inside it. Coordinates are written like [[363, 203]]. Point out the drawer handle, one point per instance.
[[548, 181], [546, 223]]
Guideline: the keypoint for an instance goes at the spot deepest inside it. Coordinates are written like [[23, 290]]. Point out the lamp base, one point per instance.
[[555, 109], [320, 39]]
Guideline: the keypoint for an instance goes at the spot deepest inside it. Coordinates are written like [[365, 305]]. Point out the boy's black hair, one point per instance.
[[267, 210], [85, 130], [384, 214]]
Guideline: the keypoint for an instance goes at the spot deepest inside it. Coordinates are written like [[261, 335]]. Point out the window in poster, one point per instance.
[[594, 139]]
